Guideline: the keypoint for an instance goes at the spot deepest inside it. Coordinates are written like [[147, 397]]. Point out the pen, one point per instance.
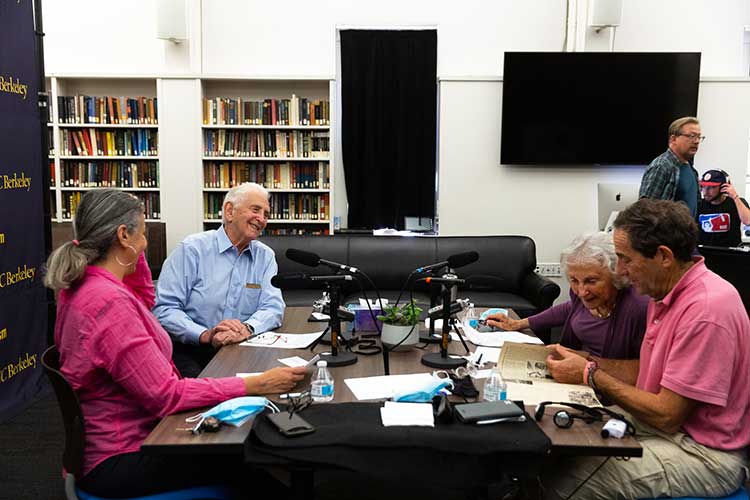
[[252, 336], [290, 395], [479, 359], [521, 418]]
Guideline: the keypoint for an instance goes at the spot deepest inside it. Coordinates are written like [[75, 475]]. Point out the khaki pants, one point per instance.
[[672, 466]]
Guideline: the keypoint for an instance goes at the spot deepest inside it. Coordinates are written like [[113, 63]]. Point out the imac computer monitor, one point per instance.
[[418, 224], [613, 198]]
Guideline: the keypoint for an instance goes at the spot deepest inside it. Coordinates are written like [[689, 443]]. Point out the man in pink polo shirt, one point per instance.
[[687, 394]]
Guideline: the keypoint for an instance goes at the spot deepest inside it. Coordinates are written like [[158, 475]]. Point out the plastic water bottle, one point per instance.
[[322, 384], [495, 388], [471, 318]]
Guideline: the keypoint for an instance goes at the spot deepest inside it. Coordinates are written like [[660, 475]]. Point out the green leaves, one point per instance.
[[406, 315]]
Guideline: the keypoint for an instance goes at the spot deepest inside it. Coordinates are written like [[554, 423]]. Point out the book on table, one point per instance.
[[524, 368]]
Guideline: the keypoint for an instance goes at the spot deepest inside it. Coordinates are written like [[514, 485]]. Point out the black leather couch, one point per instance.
[[503, 276]]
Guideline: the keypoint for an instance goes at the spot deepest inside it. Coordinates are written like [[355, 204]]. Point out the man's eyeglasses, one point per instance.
[[694, 137]]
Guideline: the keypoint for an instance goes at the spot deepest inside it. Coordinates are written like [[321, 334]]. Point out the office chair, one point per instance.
[[70, 408], [740, 494]]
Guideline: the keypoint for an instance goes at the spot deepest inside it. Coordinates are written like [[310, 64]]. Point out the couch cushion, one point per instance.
[[301, 298], [388, 260], [503, 260], [333, 248], [500, 299]]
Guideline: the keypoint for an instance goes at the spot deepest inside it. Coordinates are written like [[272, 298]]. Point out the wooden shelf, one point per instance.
[[283, 221], [269, 127], [262, 158], [109, 158], [71, 220], [271, 190], [106, 125], [72, 188]]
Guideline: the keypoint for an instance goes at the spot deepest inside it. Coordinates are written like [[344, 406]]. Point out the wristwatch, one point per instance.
[[249, 328]]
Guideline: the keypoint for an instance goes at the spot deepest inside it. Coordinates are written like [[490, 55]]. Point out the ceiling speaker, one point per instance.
[[605, 13], [171, 20]]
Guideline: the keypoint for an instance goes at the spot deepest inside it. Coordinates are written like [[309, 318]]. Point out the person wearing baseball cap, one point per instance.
[[720, 211]]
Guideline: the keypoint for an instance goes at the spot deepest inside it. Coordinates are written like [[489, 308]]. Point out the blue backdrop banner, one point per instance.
[[23, 301]]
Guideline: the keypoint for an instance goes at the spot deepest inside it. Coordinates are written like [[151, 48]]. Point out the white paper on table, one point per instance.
[[293, 361], [373, 303], [439, 329], [280, 340], [488, 354], [483, 373], [385, 386], [253, 374], [320, 316], [497, 339], [396, 414]]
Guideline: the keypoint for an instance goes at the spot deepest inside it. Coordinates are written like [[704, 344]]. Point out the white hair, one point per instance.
[[593, 249], [239, 193]]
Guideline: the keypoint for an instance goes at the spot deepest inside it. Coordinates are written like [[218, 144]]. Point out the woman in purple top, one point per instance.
[[604, 316]]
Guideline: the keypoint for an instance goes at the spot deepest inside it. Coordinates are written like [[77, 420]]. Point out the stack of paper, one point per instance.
[[385, 386], [394, 414]]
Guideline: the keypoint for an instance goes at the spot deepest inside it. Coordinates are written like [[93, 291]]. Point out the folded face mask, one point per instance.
[[425, 393], [235, 411]]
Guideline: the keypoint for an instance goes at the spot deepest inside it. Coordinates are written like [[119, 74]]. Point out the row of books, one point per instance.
[[284, 206], [299, 231], [106, 109], [283, 231], [228, 174], [71, 200], [102, 142], [266, 143], [295, 111], [123, 174]]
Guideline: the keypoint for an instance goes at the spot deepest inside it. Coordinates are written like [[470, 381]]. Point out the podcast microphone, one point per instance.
[[447, 281], [281, 279], [313, 260], [453, 262], [335, 277], [456, 306]]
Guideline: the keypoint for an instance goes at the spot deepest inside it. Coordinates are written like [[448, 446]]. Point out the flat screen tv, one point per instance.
[[593, 107]]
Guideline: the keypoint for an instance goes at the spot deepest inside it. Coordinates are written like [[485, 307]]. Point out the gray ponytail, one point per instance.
[[95, 225]]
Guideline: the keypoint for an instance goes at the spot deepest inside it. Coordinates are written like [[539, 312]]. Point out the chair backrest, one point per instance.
[[70, 408]]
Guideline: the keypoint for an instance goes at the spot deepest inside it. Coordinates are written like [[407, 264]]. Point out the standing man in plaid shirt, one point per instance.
[[671, 176]]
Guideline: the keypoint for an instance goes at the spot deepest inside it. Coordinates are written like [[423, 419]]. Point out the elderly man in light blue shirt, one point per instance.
[[215, 287]]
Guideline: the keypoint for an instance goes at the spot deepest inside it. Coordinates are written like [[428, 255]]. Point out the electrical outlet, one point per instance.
[[548, 269]]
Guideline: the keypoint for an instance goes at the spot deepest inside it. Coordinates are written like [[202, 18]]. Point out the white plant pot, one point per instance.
[[393, 334]]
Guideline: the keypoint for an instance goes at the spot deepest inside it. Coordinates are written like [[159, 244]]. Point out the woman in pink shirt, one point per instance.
[[117, 357]]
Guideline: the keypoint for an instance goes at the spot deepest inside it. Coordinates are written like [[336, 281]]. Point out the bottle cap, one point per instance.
[[322, 364]]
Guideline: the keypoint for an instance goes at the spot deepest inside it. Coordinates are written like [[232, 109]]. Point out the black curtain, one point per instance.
[[389, 108]]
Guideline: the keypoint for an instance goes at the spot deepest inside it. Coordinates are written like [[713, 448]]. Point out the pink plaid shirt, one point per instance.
[[119, 361]]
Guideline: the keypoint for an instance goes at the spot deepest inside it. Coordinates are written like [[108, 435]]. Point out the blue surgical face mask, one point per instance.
[[235, 411], [425, 393]]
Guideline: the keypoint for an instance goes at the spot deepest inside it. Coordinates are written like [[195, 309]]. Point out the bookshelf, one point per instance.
[[274, 132], [104, 133]]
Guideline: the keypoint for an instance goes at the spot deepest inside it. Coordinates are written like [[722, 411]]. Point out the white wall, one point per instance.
[[256, 38]]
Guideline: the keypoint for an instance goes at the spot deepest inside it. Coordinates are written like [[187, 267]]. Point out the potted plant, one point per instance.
[[400, 325]]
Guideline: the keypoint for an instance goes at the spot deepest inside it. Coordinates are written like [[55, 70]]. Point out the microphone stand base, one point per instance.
[[435, 360], [426, 338], [347, 336], [340, 359]]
